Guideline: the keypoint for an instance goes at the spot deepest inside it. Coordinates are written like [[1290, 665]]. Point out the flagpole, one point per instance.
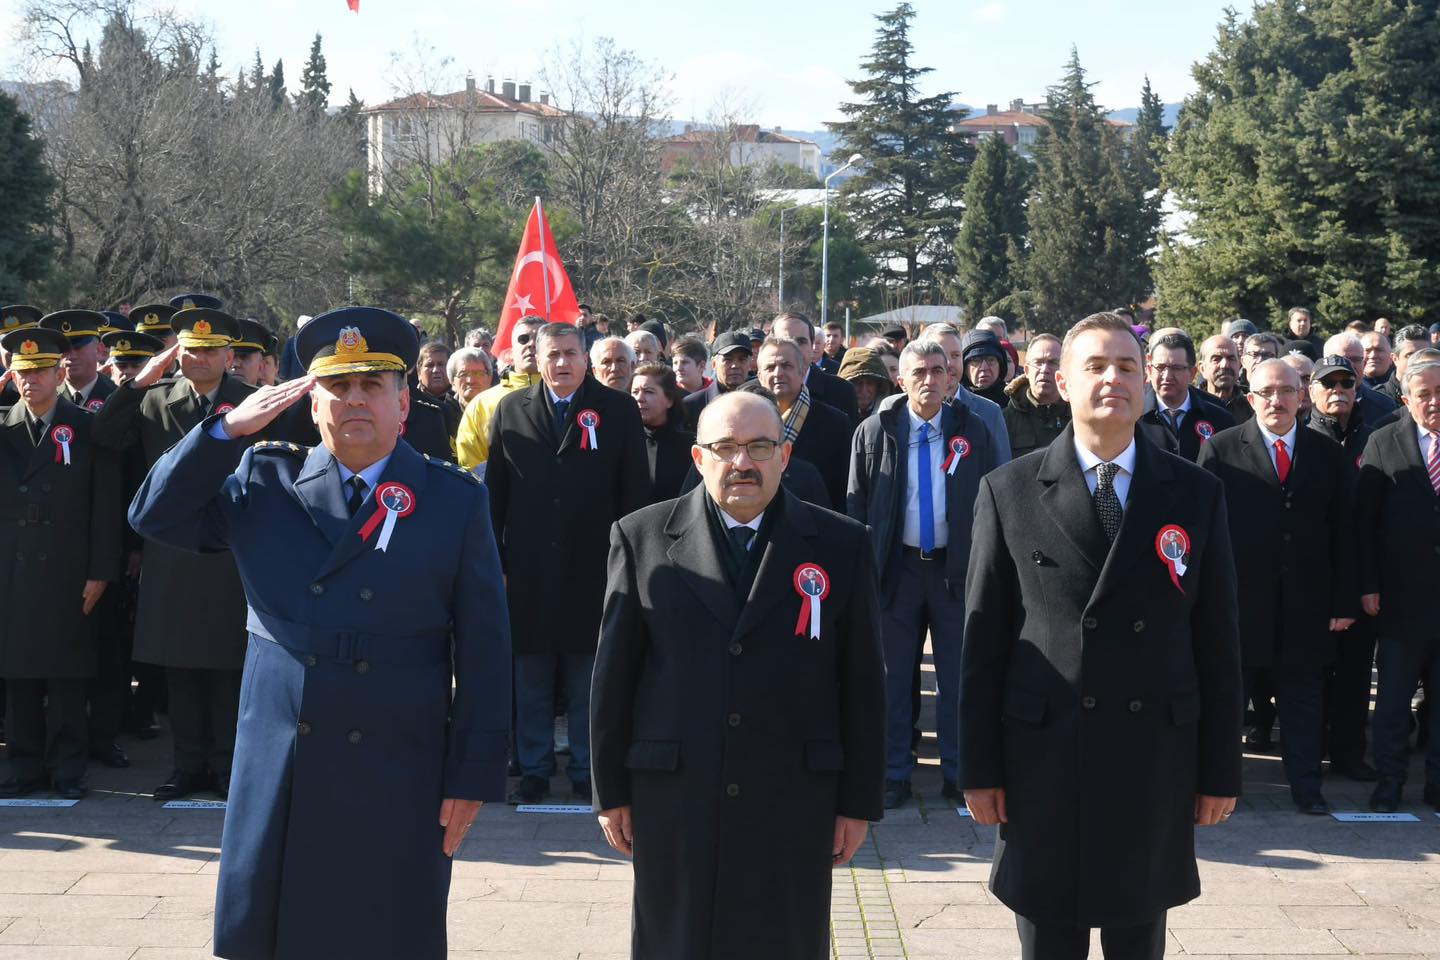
[[544, 256]]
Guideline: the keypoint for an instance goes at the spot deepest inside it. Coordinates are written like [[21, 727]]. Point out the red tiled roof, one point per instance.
[[741, 133], [480, 100], [1020, 118]]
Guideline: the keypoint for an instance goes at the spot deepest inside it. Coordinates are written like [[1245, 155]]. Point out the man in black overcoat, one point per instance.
[[818, 433], [567, 459], [824, 387], [738, 753], [1288, 491], [1178, 418], [1100, 687], [1398, 511]]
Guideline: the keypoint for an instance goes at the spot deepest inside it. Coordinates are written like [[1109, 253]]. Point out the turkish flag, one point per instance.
[[539, 285], [353, 5]]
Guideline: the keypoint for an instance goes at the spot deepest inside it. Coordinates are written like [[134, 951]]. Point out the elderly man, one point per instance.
[[568, 461], [818, 433], [1036, 413], [1373, 406], [1382, 326], [735, 825], [1100, 688], [914, 471], [645, 345], [1288, 491], [733, 364], [1398, 509], [822, 386], [1178, 418], [377, 676], [614, 362], [472, 440], [983, 364], [1379, 364], [1304, 368], [1219, 361], [471, 371], [1410, 340]]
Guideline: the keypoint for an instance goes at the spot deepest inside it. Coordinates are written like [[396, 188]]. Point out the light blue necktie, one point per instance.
[[927, 502]]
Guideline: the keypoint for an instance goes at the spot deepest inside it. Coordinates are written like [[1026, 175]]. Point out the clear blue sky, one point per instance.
[[786, 62]]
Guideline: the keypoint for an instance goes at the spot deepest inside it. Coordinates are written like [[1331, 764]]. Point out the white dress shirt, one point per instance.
[[1180, 411], [1270, 439], [1126, 463], [1424, 437], [910, 535], [731, 523]]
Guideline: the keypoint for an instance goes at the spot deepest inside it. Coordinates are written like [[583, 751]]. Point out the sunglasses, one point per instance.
[[1345, 383], [524, 338]]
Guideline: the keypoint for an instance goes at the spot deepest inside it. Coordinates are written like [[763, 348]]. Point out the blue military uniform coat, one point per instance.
[[349, 732]]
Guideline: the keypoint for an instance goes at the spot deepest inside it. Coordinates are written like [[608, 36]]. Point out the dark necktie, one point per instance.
[[358, 489], [561, 408], [37, 431], [740, 538], [1107, 502], [1174, 418], [204, 402]]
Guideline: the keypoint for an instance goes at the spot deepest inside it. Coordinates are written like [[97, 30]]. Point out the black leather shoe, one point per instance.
[[1313, 805], [179, 786], [111, 756], [1386, 798], [19, 787], [1357, 770], [1432, 795], [950, 790], [896, 793], [70, 789], [580, 790], [530, 790]]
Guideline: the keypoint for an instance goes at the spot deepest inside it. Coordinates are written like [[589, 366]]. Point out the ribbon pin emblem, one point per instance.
[[1204, 429], [62, 435], [1172, 544], [959, 450], [94, 405], [813, 585], [588, 420], [394, 501]]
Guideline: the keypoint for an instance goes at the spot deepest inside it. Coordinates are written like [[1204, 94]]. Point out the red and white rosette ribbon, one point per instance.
[[1172, 545], [1204, 429], [62, 435], [588, 421], [959, 450], [224, 408], [392, 501], [94, 404], [813, 585]]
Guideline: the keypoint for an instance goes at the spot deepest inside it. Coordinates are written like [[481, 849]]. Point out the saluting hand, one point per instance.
[[618, 830], [8, 378], [91, 594], [156, 367], [257, 411]]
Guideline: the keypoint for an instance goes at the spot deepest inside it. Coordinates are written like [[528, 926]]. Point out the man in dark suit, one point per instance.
[[376, 694], [1178, 418], [1398, 509], [738, 754], [731, 357], [1288, 492], [914, 471], [191, 613], [1100, 688], [825, 387], [832, 348], [59, 545], [816, 431], [567, 459]]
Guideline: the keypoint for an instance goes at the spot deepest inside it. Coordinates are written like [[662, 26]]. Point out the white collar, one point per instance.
[[556, 398], [915, 420], [731, 523], [1089, 461], [1420, 432], [1270, 438], [1184, 404], [371, 474]]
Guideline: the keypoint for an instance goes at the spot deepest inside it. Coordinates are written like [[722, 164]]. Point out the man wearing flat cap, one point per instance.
[[191, 615], [59, 544], [376, 699], [732, 355]]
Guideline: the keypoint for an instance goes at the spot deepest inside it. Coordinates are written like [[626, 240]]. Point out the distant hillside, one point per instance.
[[1172, 114]]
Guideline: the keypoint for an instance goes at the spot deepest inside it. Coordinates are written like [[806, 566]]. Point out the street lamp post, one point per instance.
[[825, 243]]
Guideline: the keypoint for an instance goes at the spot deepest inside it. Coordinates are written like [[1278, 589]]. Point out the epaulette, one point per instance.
[[454, 468], [284, 445]]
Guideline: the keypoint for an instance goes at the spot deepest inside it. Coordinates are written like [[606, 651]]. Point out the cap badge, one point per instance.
[[65, 326], [187, 304], [122, 345], [351, 343], [151, 319], [201, 328], [29, 348]]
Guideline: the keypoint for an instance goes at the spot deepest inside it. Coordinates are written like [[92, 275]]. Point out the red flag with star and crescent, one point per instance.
[[539, 285]]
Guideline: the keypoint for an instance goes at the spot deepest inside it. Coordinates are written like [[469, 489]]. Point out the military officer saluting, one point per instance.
[[357, 769], [191, 614], [60, 508]]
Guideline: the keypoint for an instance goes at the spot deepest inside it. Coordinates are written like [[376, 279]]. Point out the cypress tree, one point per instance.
[[989, 249]]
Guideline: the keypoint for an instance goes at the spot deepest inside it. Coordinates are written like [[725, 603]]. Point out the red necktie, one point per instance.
[[1432, 462], [1282, 461]]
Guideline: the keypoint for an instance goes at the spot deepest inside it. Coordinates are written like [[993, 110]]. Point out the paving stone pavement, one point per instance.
[[117, 877]]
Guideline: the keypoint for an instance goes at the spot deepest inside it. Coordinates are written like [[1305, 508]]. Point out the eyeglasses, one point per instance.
[[1173, 369], [727, 450], [1276, 393], [1259, 355], [1345, 383]]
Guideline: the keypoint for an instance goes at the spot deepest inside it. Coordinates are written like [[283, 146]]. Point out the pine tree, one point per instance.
[[989, 249], [314, 95], [1305, 165], [914, 164], [278, 95], [1087, 244], [257, 73], [25, 192]]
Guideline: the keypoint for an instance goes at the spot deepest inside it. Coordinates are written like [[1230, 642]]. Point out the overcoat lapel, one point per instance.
[[537, 412], [570, 437], [1258, 453], [17, 436], [1146, 511], [319, 491], [182, 403], [789, 546], [1408, 442], [1066, 499], [406, 466], [694, 554]]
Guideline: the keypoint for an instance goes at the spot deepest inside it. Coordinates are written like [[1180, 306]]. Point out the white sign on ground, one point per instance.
[[554, 808], [38, 802], [1376, 817], [193, 805], [963, 810]]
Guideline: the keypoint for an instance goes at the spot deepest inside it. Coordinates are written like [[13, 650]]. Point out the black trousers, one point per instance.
[[1300, 701], [204, 707], [45, 728], [1261, 690], [1049, 942], [1402, 664], [109, 691], [1347, 692]]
